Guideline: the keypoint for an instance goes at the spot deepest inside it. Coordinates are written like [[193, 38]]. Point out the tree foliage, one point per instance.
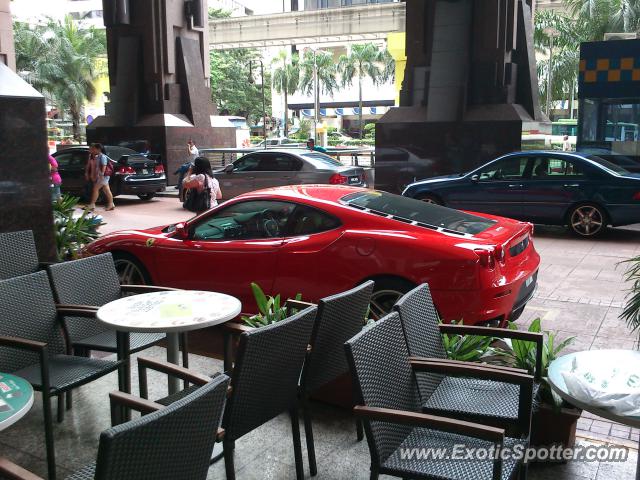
[[285, 79], [364, 60], [59, 59], [588, 21], [326, 72], [231, 90]]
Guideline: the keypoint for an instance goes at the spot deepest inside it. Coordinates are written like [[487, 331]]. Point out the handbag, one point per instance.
[[197, 201]]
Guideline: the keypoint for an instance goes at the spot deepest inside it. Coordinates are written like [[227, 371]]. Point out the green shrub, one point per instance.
[[72, 233], [270, 309]]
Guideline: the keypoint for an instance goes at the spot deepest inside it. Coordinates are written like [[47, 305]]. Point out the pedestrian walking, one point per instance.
[[566, 144], [203, 190], [99, 171], [55, 179]]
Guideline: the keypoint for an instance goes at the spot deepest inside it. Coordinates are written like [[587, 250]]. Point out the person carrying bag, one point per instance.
[[202, 189]]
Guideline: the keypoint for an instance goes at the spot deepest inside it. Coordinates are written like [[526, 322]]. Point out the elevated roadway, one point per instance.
[[367, 22]]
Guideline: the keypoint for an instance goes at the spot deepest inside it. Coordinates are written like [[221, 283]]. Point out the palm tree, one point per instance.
[[364, 60], [326, 70], [285, 78], [61, 61], [77, 53], [602, 16]]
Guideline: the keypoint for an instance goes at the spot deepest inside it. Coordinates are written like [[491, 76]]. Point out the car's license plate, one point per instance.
[[144, 171], [354, 179], [528, 281]]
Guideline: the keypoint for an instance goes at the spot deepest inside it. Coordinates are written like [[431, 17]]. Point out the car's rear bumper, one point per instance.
[[492, 306], [132, 186]]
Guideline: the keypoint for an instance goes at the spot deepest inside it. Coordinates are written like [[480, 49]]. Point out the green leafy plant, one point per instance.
[[631, 311], [72, 233], [467, 348], [270, 309], [522, 354]]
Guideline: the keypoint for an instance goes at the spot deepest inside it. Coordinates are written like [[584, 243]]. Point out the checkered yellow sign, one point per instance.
[[610, 70]]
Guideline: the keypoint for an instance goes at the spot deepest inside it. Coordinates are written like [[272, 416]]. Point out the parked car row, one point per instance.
[[134, 173]]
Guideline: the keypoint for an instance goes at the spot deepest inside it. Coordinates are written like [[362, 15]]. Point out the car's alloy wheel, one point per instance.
[[587, 220], [382, 302], [130, 272]]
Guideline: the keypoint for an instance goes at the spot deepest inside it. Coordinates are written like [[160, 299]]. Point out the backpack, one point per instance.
[[108, 169], [196, 201]]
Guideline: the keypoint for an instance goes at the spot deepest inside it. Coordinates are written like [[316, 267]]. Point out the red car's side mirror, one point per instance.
[[181, 232]]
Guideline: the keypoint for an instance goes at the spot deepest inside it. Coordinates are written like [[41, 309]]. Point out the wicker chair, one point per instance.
[[93, 282], [339, 318], [264, 381], [484, 401], [19, 255], [390, 408], [32, 346], [169, 442]]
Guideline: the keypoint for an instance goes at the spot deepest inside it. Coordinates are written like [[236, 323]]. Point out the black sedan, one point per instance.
[[134, 174], [585, 192]]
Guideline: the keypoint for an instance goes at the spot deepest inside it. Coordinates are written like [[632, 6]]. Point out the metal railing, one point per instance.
[[359, 157]]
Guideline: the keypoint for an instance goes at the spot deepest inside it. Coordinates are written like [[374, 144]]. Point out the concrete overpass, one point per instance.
[[367, 22]]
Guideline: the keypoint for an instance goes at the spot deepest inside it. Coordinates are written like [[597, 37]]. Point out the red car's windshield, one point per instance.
[[415, 210]]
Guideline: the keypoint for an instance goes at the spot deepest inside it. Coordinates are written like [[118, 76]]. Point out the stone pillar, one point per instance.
[[7, 50], [25, 194], [159, 77], [469, 90]]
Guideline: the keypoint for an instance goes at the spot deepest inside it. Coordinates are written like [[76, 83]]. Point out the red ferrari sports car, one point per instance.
[[321, 239]]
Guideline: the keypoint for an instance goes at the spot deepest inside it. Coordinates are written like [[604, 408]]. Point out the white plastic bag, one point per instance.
[[615, 387]]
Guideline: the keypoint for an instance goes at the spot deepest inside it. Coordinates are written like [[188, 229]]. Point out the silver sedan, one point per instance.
[[287, 166]]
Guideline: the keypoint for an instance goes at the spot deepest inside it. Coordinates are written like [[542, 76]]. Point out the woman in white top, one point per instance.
[[200, 177]]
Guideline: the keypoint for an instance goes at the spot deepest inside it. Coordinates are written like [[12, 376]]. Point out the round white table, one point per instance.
[[615, 358], [170, 312], [16, 399]]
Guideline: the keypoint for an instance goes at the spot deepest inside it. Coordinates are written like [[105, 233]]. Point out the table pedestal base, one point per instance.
[[173, 354]]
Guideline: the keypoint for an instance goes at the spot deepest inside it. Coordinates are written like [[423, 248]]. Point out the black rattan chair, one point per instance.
[[92, 282], [32, 346], [18, 255], [264, 381], [171, 442], [478, 400], [390, 408], [339, 318]]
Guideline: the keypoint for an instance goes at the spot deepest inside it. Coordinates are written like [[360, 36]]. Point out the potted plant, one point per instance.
[[554, 421], [270, 310], [72, 232], [631, 311]]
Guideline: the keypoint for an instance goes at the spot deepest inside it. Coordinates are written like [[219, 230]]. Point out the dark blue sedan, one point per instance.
[[585, 192]]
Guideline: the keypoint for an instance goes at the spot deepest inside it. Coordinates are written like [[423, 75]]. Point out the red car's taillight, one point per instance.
[[636, 196], [337, 179], [125, 170], [159, 169], [498, 252], [485, 258]]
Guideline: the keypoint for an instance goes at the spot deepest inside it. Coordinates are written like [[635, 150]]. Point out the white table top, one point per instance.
[[613, 357], [169, 311]]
